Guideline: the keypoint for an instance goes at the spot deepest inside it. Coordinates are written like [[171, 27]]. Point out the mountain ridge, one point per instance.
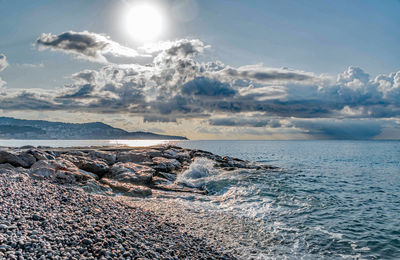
[[13, 128]]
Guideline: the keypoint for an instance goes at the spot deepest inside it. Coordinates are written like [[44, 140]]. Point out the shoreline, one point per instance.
[[47, 191]]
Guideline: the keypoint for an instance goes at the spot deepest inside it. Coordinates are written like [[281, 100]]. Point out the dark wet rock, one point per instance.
[[154, 153], [168, 176], [205, 154], [179, 154], [40, 155], [166, 165], [95, 166], [27, 147], [159, 180], [109, 157], [23, 159]]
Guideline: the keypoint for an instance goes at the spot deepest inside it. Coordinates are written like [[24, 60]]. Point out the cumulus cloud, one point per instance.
[[86, 45], [175, 85]]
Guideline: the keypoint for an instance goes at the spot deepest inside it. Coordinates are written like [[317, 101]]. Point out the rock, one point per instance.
[[3, 227], [93, 186], [59, 170], [76, 153], [37, 217], [159, 180], [7, 169], [89, 174], [42, 169], [183, 156], [132, 173], [97, 167], [139, 191], [127, 188], [154, 153], [109, 157], [133, 156], [27, 147], [19, 160], [87, 241], [168, 176], [205, 154], [166, 165], [45, 169], [39, 155]]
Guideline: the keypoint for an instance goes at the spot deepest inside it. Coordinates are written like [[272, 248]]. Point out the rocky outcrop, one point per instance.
[[131, 172]]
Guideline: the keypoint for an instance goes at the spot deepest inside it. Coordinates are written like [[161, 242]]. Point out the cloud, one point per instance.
[[340, 129], [245, 121], [3, 65], [3, 62], [202, 86], [86, 45], [176, 84], [30, 65], [262, 74]]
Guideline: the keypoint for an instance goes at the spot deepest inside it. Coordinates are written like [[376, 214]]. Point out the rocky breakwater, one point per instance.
[[110, 171]]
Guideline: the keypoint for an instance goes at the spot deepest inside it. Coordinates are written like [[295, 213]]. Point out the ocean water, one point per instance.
[[330, 199], [327, 200]]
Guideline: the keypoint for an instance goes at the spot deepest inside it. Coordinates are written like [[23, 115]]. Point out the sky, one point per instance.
[[206, 69]]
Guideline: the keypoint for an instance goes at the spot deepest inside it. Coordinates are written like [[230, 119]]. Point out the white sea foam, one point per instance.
[[198, 173]]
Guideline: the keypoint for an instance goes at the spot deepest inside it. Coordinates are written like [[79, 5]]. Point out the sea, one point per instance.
[[326, 199]]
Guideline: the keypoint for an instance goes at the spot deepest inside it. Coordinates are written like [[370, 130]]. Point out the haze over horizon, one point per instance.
[[206, 69]]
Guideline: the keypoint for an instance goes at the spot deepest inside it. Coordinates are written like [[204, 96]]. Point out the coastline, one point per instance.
[[67, 202]]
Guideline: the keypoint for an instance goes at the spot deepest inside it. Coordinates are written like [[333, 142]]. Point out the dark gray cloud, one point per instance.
[[202, 86], [245, 121], [86, 45], [340, 129], [84, 91], [267, 75]]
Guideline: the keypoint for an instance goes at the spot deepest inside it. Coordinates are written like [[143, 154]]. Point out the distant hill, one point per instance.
[[12, 128]]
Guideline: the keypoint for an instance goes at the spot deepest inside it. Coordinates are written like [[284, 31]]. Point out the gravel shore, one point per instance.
[[43, 220]]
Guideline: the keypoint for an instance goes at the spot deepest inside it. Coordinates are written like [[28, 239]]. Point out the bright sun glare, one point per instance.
[[144, 22]]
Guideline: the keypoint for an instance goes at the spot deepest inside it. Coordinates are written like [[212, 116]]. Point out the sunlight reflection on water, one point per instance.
[[83, 143], [137, 143]]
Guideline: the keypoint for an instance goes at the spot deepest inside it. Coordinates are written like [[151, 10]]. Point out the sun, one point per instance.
[[144, 22]]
